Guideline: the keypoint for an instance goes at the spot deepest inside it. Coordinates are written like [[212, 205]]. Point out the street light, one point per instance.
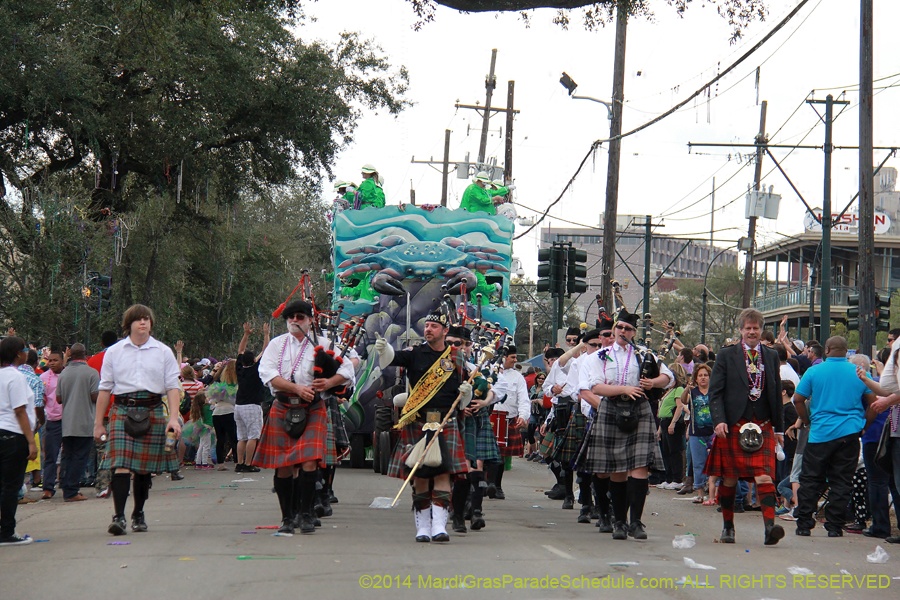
[[570, 85], [740, 244]]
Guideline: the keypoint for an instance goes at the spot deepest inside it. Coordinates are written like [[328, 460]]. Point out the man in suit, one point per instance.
[[745, 393]]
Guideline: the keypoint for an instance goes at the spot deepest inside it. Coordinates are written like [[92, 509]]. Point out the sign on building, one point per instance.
[[848, 223]]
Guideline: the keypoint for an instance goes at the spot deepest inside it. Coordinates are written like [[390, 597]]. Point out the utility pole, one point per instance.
[[760, 148], [866, 274], [608, 258], [446, 171], [712, 214], [648, 257], [825, 269], [507, 161], [530, 331], [412, 194], [489, 84]]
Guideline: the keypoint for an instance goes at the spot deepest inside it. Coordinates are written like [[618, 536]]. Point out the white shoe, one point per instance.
[[661, 486], [673, 486], [439, 516], [423, 525]]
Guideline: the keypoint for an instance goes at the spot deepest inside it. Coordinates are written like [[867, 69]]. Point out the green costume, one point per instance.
[[501, 191], [369, 194], [362, 290], [482, 287], [476, 198]]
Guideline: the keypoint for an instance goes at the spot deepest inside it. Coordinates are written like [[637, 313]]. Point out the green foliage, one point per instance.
[[196, 131]]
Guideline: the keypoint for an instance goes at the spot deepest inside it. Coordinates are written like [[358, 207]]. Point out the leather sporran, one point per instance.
[[627, 419], [137, 422], [750, 437], [295, 420]]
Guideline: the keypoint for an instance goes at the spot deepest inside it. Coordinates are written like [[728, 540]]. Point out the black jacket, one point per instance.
[[729, 386]]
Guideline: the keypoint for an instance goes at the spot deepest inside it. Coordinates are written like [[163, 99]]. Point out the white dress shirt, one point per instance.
[[129, 368], [286, 354], [889, 374], [603, 367], [517, 403]]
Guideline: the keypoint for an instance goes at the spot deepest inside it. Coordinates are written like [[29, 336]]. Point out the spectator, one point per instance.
[[783, 468], [102, 476], [191, 386], [836, 414], [202, 417], [670, 432], [701, 354], [816, 354], [787, 372], [767, 337], [52, 438], [37, 386], [223, 392], [251, 392], [77, 390], [17, 446], [695, 399], [686, 360]]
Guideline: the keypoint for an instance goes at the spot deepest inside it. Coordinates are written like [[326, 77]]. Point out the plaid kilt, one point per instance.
[[412, 433], [330, 451], [728, 459], [479, 439], [610, 450], [341, 439], [569, 440], [277, 449], [515, 444], [548, 443], [145, 454]]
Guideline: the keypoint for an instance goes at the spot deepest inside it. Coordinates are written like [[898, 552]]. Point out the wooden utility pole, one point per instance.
[[507, 161], [608, 257], [760, 149], [446, 170], [866, 276], [490, 83]]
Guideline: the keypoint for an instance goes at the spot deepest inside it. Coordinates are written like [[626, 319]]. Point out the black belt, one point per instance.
[[144, 400], [292, 400]]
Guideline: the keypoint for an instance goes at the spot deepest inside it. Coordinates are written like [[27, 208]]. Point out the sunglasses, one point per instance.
[[571, 339], [297, 317], [457, 343], [625, 328], [606, 334], [595, 345]]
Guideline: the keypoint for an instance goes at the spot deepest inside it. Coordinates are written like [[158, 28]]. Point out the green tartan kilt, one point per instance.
[[145, 454], [569, 440], [548, 443], [479, 439]]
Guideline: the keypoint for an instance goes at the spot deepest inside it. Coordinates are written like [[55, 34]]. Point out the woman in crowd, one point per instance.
[[670, 432], [222, 392], [696, 400]]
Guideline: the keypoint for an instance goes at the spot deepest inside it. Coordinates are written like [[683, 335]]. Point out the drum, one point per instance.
[[500, 426]]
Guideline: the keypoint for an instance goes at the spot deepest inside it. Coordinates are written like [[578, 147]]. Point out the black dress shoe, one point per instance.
[[727, 536], [595, 512], [835, 533], [477, 520], [239, 468], [569, 503], [557, 494], [287, 526], [250, 469], [585, 515], [138, 524], [636, 530], [500, 495], [423, 538], [117, 527], [869, 533], [773, 534], [739, 508], [802, 531], [459, 523], [751, 508], [619, 532], [176, 476], [605, 524], [307, 524], [894, 539], [556, 488], [491, 491]]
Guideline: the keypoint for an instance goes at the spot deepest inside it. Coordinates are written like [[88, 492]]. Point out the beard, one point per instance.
[[294, 328]]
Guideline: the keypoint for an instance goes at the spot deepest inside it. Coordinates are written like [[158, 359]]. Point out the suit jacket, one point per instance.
[[729, 386]]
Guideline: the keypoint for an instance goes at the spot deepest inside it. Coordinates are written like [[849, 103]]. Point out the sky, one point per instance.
[[667, 59]]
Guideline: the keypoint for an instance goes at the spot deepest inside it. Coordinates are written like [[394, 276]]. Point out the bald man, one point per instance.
[[836, 415], [77, 392]]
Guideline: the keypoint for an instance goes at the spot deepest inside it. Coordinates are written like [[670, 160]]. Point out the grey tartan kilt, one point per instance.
[[609, 450]]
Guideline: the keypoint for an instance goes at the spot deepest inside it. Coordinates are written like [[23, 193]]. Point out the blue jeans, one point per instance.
[[699, 445], [51, 443]]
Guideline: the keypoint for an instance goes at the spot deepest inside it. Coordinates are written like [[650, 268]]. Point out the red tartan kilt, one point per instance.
[[515, 445], [277, 449], [728, 459]]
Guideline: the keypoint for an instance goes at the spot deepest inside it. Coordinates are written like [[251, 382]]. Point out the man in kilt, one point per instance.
[[623, 448], [557, 418], [287, 368], [516, 409], [479, 442], [139, 371], [437, 376], [745, 393]]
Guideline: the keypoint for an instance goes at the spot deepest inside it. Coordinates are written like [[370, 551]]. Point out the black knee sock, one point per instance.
[[284, 488], [141, 488], [296, 494], [332, 471], [619, 492], [556, 469], [460, 495], [476, 478], [601, 493], [637, 496], [119, 484], [569, 478], [307, 494], [584, 489], [500, 476]]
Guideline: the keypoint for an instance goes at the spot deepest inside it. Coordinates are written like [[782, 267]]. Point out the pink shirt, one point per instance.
[[52, 408]]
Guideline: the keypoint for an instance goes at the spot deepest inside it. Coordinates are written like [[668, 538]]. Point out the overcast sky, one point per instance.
[[449, 58]]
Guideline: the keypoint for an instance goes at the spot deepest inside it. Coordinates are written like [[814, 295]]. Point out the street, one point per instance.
[[203, 543]]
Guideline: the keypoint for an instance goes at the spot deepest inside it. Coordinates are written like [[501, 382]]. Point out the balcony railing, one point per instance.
[[798, 296]]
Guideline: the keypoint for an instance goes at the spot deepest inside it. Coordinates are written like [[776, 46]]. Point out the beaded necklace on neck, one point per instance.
[[296, 362]]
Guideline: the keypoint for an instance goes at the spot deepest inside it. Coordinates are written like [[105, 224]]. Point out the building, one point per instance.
[[679, 258], [792, 285]]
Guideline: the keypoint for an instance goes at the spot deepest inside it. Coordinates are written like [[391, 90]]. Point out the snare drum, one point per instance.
[[500, 425]]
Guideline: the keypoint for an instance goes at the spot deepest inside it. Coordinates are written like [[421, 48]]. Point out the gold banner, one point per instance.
[[426, 388]]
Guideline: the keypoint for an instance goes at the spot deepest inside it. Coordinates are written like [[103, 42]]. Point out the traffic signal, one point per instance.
[[551, 264], [853, 312], [883, 312], [99, 288], [576, 271]]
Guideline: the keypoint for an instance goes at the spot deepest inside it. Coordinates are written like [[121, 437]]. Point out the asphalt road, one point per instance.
[[530, 549]]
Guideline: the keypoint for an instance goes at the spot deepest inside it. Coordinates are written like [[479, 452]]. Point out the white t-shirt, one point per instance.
[[14, 392], [789, 374]]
